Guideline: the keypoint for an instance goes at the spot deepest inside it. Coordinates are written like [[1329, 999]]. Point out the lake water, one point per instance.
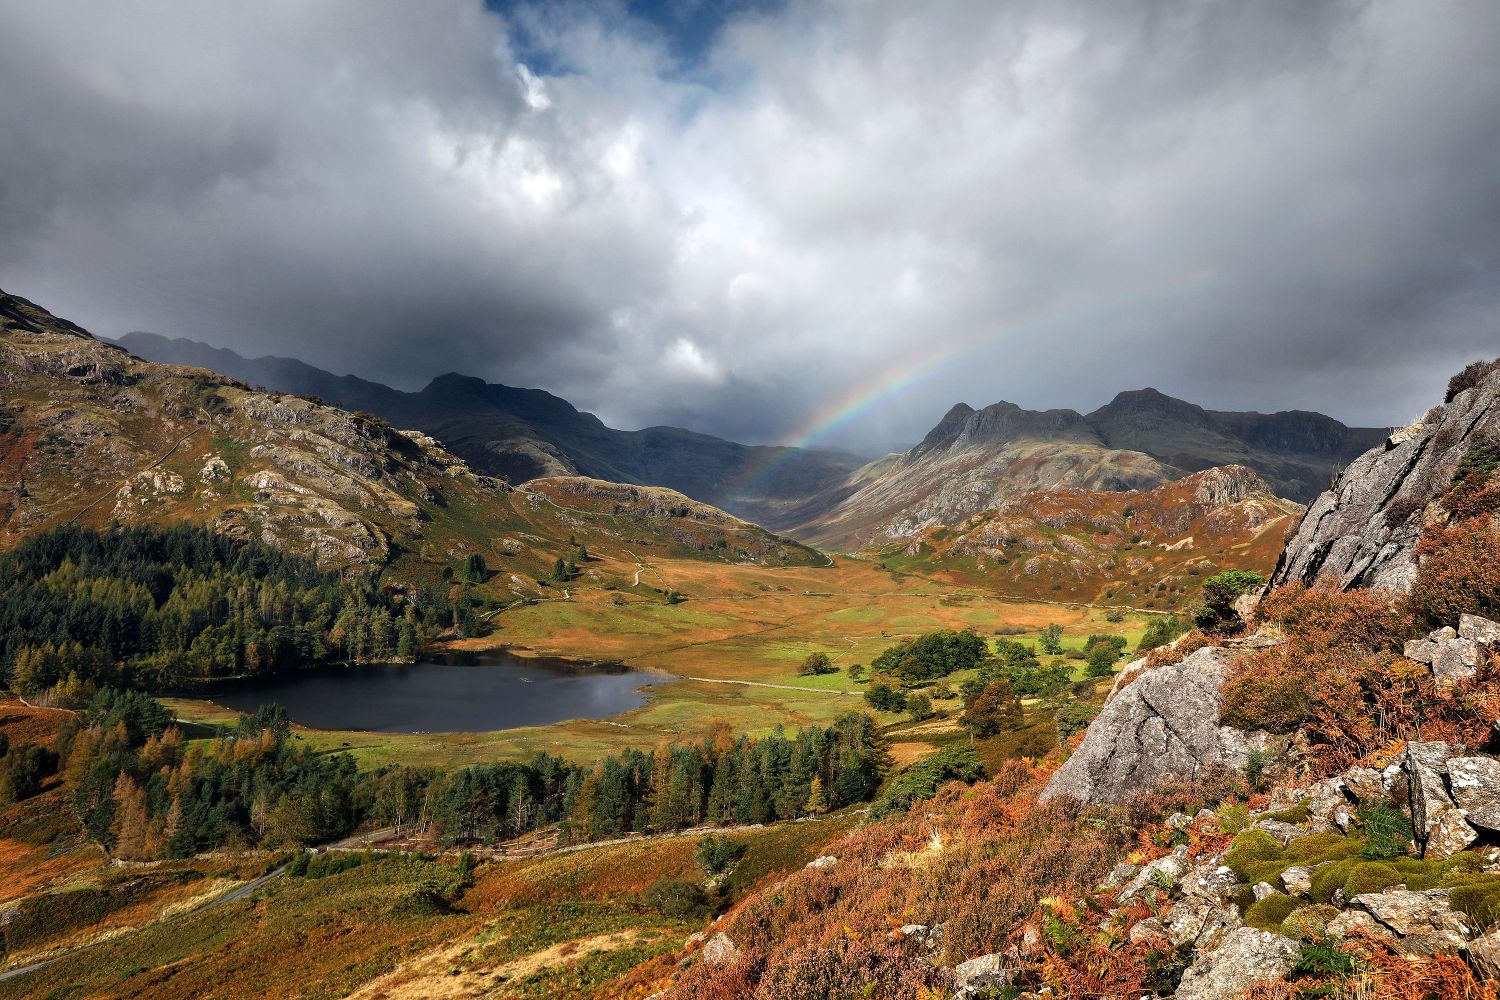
[[468, 695]]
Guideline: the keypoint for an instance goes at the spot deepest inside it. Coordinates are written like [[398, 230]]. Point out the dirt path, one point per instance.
[[763, 684], [160, 459]]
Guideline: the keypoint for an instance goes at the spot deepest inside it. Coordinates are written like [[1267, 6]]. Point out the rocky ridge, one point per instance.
[[973, 460], [90, 434], [1126, 548], [1363, 532]]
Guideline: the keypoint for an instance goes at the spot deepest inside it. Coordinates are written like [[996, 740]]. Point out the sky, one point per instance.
[[819, 223]]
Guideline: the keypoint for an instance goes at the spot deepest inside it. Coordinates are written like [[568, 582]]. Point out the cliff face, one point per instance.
[[1364, 531]]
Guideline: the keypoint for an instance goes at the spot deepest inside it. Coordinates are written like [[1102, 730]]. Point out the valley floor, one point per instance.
[[735, 642]]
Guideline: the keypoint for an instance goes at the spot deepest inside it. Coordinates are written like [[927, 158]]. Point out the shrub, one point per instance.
[[22, 771], [1074, 717], [1458, 573], [1482, 458], [920, 707], [1160, 630], [996, 709], [852, 968], [923, 779], [1102, 660], [1186, 645], [816, 664], [677, 900], [1471, 376], [1217, 612], [1269, 690], [935, 654], [715, 854], [885, 698]]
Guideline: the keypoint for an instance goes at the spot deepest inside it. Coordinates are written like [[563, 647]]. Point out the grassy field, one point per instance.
[[735, 642]]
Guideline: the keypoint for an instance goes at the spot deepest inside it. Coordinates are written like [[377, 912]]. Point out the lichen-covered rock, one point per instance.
[[1364, 531], [1423, 920], [1298, 880], [1120, 874], [1357, 922], [1475, 785], [1425, 765], [1447, 836], [1163, 873], [977, 975], [1201, 921], [1246, 957], [1483, 954], [1452, 655], [1163, 725], [1481, 630], [720, 950], [1366, 785]]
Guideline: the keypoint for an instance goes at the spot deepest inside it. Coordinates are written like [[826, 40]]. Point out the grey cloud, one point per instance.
[[1248, 205]]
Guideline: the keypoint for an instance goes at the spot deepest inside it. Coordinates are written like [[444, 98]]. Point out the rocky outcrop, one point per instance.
[[1363, 532], [720, 950], [1112, 547], [982, 976], [1163, 725], [1246, 957]]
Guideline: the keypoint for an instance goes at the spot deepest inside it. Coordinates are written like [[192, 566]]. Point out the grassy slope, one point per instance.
[[551, 926]]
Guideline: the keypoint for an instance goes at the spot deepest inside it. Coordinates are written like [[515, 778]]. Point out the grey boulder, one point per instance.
[[1165, 725]]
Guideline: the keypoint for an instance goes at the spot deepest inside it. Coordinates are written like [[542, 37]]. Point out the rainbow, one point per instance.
[[859, 401], [900, 377]]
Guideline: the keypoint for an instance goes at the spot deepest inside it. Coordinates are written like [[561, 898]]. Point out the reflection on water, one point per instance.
[[465, 694]]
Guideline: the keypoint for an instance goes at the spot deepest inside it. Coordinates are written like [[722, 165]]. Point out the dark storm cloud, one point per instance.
[[739, 224]]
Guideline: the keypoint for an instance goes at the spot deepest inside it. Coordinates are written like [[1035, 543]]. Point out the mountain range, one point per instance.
[[970, 462], [91, 435], [973, 460], [522, 434]]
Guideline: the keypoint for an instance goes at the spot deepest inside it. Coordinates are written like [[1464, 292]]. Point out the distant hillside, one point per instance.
[[523, 434], [973, 460], [1144, 549], [90, 434]]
